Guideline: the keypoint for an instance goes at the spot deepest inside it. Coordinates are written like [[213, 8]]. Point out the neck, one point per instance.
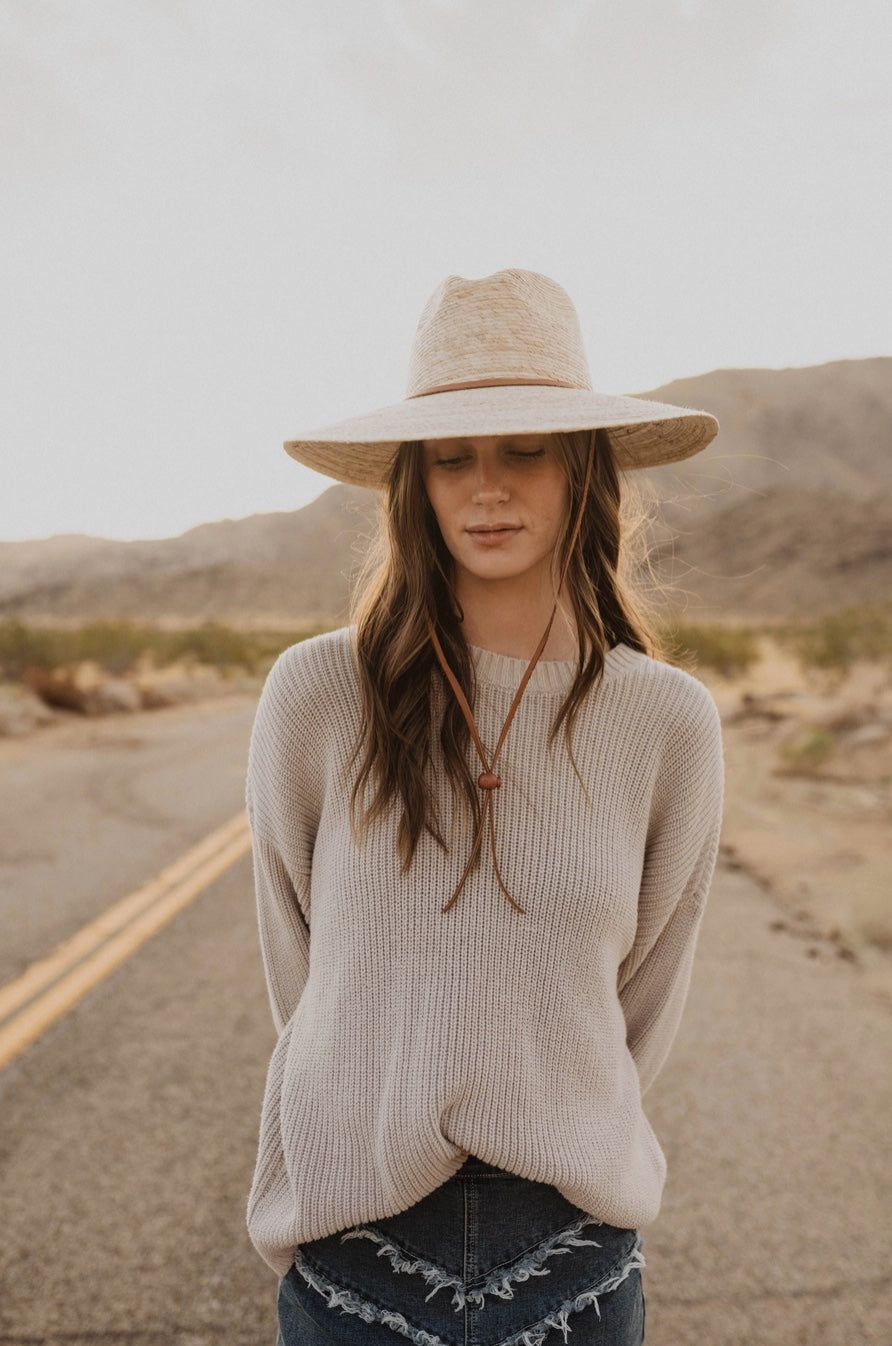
[[511, 623]]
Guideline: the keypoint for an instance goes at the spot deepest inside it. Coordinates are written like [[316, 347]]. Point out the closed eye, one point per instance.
[[451, 462]]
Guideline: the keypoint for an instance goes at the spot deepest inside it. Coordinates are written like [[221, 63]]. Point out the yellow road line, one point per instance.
[[68, 973], [46, 970]]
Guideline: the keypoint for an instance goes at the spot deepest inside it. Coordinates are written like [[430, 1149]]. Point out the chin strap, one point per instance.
[[488, 780]]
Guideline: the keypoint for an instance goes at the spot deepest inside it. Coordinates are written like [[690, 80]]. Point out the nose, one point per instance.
[[489, 481]]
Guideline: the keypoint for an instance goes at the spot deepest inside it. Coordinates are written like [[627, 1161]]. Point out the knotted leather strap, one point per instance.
[[489, 780]]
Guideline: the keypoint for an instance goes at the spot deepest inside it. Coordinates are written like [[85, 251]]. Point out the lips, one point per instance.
[[493, 531]]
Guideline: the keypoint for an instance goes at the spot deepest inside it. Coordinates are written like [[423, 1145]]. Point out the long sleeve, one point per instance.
[[282, 802], [680, 854], [284, 932]]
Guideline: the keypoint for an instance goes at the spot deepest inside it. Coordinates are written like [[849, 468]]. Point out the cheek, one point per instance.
[[440, 521], [558, 496], [439, 503]]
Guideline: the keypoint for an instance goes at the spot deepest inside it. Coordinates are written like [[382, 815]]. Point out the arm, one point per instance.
[[284, 932], [282, 800], [680, 855]]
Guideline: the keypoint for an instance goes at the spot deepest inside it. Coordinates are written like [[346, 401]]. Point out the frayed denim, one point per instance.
[[488, 1259]]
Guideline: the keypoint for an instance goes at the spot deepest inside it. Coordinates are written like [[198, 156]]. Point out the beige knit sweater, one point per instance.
[[409, 1039]]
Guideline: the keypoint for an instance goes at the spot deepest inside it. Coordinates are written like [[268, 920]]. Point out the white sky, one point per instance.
[[221, 220]]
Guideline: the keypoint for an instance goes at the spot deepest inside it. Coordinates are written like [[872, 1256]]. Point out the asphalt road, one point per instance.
[[91, 809], [128, 1131]]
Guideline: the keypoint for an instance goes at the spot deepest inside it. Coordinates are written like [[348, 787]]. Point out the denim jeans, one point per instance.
[[488, 1259]]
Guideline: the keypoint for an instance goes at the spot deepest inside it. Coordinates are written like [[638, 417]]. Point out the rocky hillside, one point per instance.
[[789, 511], [285, 569], [825, 428]]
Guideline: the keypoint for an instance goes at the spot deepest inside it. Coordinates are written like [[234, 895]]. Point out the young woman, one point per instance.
[[485, 821]]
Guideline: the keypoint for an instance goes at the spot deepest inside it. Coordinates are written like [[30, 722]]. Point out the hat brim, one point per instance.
[[643, 433]]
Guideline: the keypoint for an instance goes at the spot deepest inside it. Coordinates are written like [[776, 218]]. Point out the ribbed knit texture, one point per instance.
[[409, 1038]]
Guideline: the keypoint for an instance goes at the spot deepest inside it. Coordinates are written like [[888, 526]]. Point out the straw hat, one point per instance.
[[499, 356]]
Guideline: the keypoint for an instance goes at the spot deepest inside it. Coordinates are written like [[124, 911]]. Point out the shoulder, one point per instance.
[[676, 713], [307, 716], [318, 656], [679, 703], [665, 685], [318, 668], [311, 687]]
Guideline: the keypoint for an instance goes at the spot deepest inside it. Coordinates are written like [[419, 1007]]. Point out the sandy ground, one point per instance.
[[809, 803]]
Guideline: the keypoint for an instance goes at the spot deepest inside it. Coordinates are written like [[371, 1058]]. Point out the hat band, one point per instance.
[[494, 383]]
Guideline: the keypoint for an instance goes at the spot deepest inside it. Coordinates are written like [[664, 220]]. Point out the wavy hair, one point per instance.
[[408, 582]]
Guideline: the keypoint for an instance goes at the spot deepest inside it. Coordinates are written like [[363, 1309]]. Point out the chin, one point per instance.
[[501, 573]]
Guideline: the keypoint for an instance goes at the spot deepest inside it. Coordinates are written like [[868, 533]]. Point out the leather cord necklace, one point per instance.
[[489, 780]]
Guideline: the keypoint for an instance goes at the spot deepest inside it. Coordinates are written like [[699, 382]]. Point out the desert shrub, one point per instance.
[[21, 646], [214, 644], [116, 646], [729, 650], [836, 642], [227, 647], [807, 753]]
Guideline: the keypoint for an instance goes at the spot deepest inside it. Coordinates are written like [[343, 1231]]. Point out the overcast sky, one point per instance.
[[221, 220]]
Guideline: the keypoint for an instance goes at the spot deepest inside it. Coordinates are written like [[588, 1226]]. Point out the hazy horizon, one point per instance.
[[222, 223]]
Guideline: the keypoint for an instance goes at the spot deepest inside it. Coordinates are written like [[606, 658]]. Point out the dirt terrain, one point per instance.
[[809, 802]]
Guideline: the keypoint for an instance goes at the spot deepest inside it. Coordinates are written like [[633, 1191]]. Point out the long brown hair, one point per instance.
[[408, 582]]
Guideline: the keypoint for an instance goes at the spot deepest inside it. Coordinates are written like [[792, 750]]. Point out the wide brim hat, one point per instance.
[[501, 356]]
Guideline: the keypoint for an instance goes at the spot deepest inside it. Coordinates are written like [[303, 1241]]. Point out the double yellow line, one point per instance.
[[50, 987]]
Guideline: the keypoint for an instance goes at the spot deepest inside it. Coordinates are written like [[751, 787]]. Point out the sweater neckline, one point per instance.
[[549, 675]]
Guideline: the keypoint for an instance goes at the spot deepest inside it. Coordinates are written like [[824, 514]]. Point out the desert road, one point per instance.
[[128, 1122]]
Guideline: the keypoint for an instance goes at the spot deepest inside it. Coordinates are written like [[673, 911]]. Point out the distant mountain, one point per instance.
[[284, 569], [788, 511], [822, 428], [781, 554]]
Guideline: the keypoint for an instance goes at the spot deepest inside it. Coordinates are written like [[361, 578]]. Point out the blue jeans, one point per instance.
[[488, 1259]]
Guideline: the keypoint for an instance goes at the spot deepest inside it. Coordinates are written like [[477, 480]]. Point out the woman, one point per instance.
[[485, 822]]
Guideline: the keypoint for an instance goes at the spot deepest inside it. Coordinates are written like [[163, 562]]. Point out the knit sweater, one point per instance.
[[410, 1038]]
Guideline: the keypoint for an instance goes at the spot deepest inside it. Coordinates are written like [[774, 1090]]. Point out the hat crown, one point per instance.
[[511, 327]]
